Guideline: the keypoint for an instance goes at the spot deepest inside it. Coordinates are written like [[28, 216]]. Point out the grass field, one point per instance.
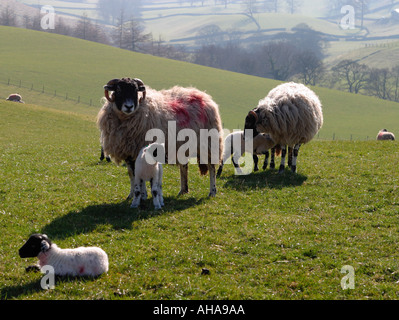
[[264, 236], [80, 68]]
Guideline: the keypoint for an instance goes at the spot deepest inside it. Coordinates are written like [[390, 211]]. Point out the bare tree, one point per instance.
[[277, 60], [250, 7], [353, 74], [8, 17], [379, 83], [133, 35], [308, 67], [293, 5]]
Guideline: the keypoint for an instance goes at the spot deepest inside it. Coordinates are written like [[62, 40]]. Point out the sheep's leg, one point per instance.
[[273, 154], [236, 157], [266, 160], [283, 155], [295, 157], [102, 154], [143, 191], [212, 178], [160, 192], [130, 169], [290, 151], [183, 179], [220, 170], [137, 194], [155, 193], [256, 161]]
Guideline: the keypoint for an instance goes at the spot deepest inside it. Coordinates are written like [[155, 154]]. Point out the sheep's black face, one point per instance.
[[35, 244], [250, 123], [125, 93]]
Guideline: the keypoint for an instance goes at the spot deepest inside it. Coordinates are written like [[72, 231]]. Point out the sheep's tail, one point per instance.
[[203, 169], [277, 150]]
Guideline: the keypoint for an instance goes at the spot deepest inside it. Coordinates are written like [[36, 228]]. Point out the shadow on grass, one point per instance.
[[34, 286], [263, 179], [119, 215]]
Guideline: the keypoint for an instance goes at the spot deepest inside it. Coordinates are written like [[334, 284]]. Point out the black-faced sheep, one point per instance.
[[261, 144], [82, 261], [291, 114], [384, 134], [15, 97], [149, 168], [125, 119]]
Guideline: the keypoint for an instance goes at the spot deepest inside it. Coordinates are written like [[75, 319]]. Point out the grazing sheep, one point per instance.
[[15, 97], [261, 144], [82, 261], [385, 135], [291, 114], [148, 168], [124, 121]]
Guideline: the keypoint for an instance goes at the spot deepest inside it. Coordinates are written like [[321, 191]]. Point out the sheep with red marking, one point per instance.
[[15, 97], [132, 110], [384, 134], [82, 261]]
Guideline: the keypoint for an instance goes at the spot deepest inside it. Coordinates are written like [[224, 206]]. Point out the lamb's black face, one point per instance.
[[250, 124], [35, 244], [125, 93]]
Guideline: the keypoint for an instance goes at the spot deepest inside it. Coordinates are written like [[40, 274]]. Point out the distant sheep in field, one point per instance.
[[15, 97], [261, 145], [148, 168], [125, 119], [82, 261], [385, 135], [291, 114]]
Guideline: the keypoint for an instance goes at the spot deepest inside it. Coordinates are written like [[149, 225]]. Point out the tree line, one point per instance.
[[290, 56]]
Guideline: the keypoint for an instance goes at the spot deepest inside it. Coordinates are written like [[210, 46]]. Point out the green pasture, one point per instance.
[[57, 71], [264, 236]]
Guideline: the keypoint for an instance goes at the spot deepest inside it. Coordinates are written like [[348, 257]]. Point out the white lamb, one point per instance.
[[148, 168], [82, 261], [261, 144]]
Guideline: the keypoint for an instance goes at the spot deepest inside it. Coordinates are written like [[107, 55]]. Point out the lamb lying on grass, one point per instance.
[[147, 168], [82, 261]]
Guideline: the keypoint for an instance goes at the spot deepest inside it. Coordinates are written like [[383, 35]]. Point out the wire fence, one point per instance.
[[77, 99], [47, 91]]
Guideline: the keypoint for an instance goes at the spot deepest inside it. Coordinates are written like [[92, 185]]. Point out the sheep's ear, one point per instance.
[[111, 85], [44, 246]]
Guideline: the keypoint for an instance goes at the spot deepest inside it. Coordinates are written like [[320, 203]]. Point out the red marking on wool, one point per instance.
[[81, 269], [179, 107], [182, 115]]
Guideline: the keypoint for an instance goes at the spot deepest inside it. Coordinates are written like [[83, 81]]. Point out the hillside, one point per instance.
[[264, 237], [78, 68]]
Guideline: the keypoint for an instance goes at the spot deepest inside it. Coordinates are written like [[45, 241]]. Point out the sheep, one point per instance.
[[385, 135], [125, 119], [261, 144], [148, 168], [15, 97], [82, 261], [292, 114]]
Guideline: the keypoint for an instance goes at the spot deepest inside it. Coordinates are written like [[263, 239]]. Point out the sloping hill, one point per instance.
[[63, 65]]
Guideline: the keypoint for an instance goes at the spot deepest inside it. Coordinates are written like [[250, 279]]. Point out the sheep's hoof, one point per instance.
[[281, 170], [293, 169], [134, 205], [256, 169], [182, 192]]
